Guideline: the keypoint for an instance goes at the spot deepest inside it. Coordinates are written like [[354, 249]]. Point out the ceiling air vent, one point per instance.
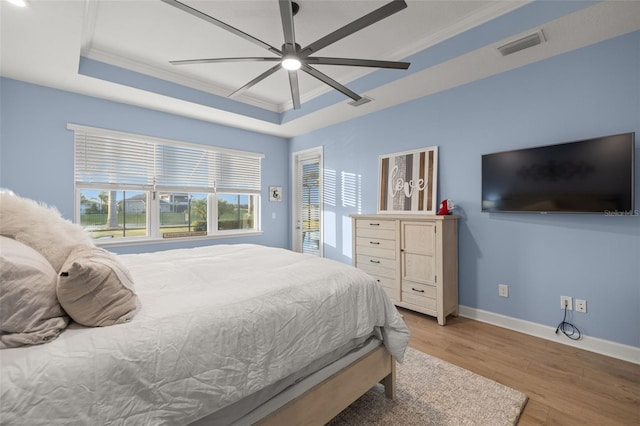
[[522, 43], [363, 100]]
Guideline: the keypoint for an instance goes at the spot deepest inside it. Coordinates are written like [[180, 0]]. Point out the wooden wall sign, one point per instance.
[[408, 181]]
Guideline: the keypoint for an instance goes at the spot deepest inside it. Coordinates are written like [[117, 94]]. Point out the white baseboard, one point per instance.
[[593, 344]]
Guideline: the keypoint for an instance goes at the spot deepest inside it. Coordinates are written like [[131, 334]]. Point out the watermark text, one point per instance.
[[635, 212]]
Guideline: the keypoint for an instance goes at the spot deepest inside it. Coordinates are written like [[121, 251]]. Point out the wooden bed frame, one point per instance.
[[327, 399]]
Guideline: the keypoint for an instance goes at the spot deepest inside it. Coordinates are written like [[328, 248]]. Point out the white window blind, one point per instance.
[[115, 159], [309, 206], [237, 173], [310, 201], [110, 161]]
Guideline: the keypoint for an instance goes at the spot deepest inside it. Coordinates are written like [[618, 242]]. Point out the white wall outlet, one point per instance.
[[581, 306], [566, 302], [503, 290]]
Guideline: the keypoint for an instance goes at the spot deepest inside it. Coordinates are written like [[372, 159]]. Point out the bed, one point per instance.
[[222, 334]]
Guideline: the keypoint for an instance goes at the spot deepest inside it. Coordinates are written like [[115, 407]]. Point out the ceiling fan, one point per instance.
[[291, 56]]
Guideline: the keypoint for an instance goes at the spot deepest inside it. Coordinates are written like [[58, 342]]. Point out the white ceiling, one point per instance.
[[42, 44], [150, 33]]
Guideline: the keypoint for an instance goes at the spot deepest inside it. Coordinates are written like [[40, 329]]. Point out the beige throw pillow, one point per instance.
[[29, 310], [95, 289]]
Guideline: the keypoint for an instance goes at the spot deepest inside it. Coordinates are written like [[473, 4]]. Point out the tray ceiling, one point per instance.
[[44, 44]]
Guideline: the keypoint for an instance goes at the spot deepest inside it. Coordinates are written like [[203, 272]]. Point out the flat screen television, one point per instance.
[[589, 176]]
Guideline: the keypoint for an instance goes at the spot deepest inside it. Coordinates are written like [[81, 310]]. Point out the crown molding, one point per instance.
[[139, 67]]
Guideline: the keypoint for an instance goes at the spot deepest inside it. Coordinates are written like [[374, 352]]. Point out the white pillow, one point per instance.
[[40, 227], [29, 310]]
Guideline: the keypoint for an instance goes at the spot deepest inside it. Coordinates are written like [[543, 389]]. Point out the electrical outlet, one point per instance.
[[503, 290], [581, 306], [566, 302]]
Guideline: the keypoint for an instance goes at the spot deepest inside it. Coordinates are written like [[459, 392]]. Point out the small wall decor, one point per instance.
[[408, 181], [275, 193]]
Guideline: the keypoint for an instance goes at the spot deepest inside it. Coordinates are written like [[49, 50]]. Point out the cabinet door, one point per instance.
[[419, 237], [418, 252]]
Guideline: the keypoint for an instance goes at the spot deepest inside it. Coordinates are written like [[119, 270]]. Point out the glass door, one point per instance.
[[307, 233]]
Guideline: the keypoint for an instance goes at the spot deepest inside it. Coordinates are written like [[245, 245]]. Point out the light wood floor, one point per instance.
[[565, 385]]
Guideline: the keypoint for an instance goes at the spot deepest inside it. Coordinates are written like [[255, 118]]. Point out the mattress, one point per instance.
[[216, 324]]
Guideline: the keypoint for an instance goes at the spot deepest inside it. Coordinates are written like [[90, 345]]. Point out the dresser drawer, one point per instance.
[[423, 302], [419, 290], [378, 271], [379, 262], [386, 282], [377, 229], [374, 242], [386, 234], [376, 248], [376, 266], [375, 224]]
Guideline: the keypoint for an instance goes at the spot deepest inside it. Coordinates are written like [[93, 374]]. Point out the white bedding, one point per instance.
[[217, 323]]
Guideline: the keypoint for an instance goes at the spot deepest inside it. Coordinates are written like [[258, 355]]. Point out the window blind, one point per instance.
[[115, 159], [309, 206], [110, 161], [310, 201], [234, 172]]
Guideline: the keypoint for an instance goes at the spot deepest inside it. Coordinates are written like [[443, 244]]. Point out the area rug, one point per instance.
[[434, 392]]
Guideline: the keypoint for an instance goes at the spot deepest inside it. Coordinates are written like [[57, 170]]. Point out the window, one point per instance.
[[136, 187], [183, 214], [110, 214], [236, 211]]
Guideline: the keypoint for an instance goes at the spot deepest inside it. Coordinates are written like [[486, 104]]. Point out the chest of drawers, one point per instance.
[[413, 257]]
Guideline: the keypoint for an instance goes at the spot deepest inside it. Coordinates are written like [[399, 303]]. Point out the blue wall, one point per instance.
[[590, 92], [36, 155]]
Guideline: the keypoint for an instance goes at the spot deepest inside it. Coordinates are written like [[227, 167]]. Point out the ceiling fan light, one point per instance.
[[291, 64]]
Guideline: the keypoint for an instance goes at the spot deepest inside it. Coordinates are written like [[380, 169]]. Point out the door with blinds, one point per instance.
[[307, 232]]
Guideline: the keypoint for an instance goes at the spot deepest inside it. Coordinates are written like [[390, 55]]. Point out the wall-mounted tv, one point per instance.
[[589, 176]]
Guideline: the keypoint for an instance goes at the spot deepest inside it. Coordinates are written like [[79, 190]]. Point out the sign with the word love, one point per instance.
[[408, 181]]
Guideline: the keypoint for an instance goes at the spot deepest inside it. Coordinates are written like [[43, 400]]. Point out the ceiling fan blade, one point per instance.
[[295, 89], [371, 18], [256, 80], [222, 25], [216, 60], [286, 14], [329, 81], [356, 62]]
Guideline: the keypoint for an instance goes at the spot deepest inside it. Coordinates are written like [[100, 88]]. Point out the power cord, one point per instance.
[[568, 329]]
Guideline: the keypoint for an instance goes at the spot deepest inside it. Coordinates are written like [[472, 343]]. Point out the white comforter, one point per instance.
[[217, 323]]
